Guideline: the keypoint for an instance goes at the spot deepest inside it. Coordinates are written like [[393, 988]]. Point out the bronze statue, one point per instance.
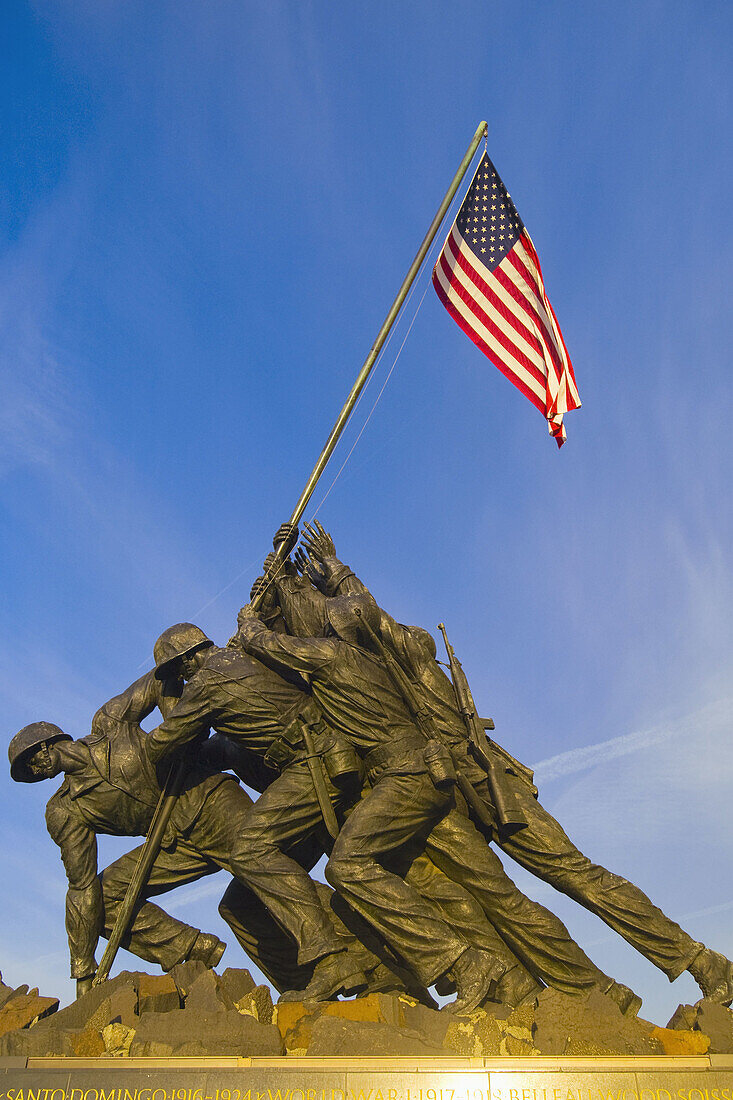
[[110, 786], [250, 704], [540, 845], [411, 795], [362, 748]]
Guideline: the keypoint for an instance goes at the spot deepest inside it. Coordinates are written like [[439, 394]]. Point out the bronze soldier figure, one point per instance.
[[411, 795], [541, 846], [265, 715], [110, 786]]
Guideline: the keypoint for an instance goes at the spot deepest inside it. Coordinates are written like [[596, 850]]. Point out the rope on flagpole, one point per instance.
[[255, 561], [371, 411]]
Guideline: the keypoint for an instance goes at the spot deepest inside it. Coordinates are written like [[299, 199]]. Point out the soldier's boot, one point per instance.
[[516, 987], [476, 974], [383, 979], [333, 974], [628, 1001], [713, 972], [207, 948]]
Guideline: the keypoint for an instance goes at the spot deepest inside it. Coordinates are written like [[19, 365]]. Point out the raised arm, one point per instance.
[[138, 701], [84, 909], [323, 566], [283, 652]]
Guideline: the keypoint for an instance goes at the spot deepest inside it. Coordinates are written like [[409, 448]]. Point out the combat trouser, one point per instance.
[[404, 807], [286, 813], [155, 935], [545, 850], [214, 842]]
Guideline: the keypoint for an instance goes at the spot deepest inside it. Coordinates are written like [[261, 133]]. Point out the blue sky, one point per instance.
[[205, 211]]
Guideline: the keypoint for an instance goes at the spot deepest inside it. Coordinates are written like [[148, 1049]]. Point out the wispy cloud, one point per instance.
[[593, 756]]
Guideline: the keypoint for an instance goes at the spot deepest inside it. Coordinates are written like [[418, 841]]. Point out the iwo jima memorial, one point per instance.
[[365, 744]]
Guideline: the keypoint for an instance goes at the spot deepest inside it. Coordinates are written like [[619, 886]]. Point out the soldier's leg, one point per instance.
[[398, 808], [276, 953], [545, 850], [464, 913], [253, 847], [155, 935], [532, 933], [272, 949]]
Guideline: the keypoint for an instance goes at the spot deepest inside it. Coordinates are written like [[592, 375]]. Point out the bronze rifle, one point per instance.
[[510, 817]]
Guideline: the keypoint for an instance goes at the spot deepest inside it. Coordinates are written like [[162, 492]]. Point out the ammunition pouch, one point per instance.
[[342, 764], [283, 751], [439, 763]]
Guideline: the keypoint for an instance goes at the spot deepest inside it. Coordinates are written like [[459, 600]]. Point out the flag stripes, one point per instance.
[[488, 277]]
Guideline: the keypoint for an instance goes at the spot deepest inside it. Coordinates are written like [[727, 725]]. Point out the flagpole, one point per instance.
[[376, 347], [165, 806]]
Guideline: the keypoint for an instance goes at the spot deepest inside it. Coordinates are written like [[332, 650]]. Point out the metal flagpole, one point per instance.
[[168, 801], [371, 358]]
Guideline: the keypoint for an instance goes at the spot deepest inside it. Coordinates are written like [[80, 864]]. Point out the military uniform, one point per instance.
[[542, 846], [114, 789], [359, 701], [258, 710]]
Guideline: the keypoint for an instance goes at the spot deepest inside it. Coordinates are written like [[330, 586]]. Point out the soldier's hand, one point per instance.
[[83, 985], [259, 586], [245, 613], [286, 533], [268, 564], [310, 569], [284, 569], [318, 542]]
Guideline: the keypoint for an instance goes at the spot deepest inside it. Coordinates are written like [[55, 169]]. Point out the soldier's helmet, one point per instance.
[[26, 742], [175, 642], [347, 615]]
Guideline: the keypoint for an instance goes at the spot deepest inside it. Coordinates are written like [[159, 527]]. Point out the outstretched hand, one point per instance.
[[318, 542], [310, 569]]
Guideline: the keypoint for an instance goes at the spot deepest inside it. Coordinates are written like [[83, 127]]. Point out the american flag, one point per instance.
[[489, 279]]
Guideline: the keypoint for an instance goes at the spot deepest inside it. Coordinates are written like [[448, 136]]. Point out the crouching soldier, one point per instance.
[[110, 786]]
